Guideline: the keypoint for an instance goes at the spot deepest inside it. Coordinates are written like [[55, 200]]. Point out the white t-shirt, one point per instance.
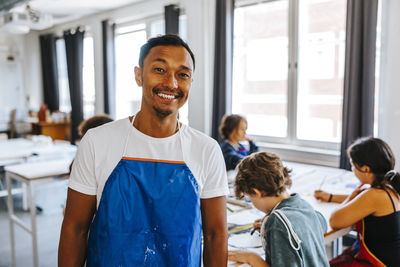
[[103, 147]]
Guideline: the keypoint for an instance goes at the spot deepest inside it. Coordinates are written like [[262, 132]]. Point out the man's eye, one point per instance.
[[184, 75], [159, 69]]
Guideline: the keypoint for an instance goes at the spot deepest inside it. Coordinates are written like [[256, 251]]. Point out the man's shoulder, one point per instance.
[[109, 130], [114, 128], [199, 137]]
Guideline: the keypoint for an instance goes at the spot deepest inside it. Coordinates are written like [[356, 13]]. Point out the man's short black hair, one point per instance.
[[163, 40]]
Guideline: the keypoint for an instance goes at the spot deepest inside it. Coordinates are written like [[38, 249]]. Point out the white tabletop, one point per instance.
[[20, 148], [41, 169]]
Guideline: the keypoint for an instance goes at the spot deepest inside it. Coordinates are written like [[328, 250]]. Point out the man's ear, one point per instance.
[[138, 76]]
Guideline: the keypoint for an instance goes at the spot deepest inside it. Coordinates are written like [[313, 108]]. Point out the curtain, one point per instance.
[[171, 14], [49, 71], [223, 55], [74, 51], [359, 76], [108, 30]]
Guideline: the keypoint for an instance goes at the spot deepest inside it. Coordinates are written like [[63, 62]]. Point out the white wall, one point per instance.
[[12, 91], [389, 102]]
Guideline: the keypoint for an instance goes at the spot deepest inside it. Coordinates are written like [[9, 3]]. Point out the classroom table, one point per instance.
[[20, 150], [305, 179], [29, 174]]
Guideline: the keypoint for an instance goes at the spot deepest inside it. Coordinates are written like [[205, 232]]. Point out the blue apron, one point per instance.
[[149, 215]]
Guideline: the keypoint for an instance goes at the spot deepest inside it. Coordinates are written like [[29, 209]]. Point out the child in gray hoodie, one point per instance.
[[292, 232]]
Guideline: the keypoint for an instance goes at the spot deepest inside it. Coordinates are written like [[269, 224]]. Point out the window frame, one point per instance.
[[291, 139]]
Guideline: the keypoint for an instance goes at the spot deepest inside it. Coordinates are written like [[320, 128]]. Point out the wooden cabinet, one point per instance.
[[56, 130]]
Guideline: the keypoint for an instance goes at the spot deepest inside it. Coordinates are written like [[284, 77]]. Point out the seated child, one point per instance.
[[92, 122], [233, 130], [374, 209], [293, 232]]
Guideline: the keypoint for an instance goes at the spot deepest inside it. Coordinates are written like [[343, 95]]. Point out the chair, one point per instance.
[[12, 124]]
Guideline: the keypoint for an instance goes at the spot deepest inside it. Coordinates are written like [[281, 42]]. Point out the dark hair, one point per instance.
[[93, 122], [263, 171], [377, 155], [229, 123], [90, 123], [163, 40]]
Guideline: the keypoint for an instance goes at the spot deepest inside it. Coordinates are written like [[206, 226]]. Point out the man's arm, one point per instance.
[[213, 212], [74, 232]]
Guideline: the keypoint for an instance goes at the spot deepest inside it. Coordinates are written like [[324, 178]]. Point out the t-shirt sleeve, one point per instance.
[[322, 222], [215, 180], [83, 178], [279, 252]]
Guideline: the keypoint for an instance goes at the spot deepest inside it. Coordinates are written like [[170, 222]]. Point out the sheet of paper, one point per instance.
[[245, 240], [244, 217]]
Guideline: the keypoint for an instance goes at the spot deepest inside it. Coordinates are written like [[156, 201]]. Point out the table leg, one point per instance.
[[337, 247], [24, 197], [10, 206], [33, 224]]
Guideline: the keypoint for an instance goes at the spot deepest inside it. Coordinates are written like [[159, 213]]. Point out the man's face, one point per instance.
[[166, 78]]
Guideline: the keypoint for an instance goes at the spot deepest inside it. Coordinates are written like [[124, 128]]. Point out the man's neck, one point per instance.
[[154, 126]]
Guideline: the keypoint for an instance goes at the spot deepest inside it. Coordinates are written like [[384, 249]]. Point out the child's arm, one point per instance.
[[357, 206], [243, 256], [325, 196]]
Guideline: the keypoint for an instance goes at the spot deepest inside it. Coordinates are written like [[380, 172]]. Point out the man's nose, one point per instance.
[[170, 81]]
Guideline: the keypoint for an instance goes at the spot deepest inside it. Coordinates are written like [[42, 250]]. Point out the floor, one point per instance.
[[51, 198]]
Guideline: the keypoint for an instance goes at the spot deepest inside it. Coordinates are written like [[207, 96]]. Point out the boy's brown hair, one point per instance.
[[93, 122], [263, 171]]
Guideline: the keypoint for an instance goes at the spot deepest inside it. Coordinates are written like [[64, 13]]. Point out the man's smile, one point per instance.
[[167, 94]]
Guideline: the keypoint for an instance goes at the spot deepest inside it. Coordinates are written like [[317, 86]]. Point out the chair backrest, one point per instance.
[[12, 124]]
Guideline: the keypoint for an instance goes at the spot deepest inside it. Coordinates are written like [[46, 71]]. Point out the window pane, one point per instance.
[[63, 85], [88, 78], [128, 94], [260, 67], [322, 25]]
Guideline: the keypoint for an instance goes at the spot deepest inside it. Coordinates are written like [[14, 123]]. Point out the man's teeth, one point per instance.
[[166, 96]]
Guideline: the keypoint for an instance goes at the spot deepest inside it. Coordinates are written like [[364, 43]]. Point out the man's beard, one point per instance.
[[162, 113]]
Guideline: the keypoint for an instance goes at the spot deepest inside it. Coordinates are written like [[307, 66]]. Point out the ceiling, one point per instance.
[[65, 10]]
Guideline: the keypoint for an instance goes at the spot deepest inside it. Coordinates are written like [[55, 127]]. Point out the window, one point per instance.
[[63, 85], [127, 45], [88, 78], [260, 73], [128, 41], [87, 75], [288, 70]]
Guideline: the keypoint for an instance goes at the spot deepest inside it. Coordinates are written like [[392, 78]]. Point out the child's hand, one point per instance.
[[241, 256], [321, 195], [257, 225]]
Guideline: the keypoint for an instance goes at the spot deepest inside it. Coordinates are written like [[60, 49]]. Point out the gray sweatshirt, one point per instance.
[[308, 224]]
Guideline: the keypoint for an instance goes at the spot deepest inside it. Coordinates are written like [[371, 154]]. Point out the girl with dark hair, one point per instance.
[[374, 210], [233, 131]]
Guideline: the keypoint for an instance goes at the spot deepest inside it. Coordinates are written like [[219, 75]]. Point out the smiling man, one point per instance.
[[148, 188]]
